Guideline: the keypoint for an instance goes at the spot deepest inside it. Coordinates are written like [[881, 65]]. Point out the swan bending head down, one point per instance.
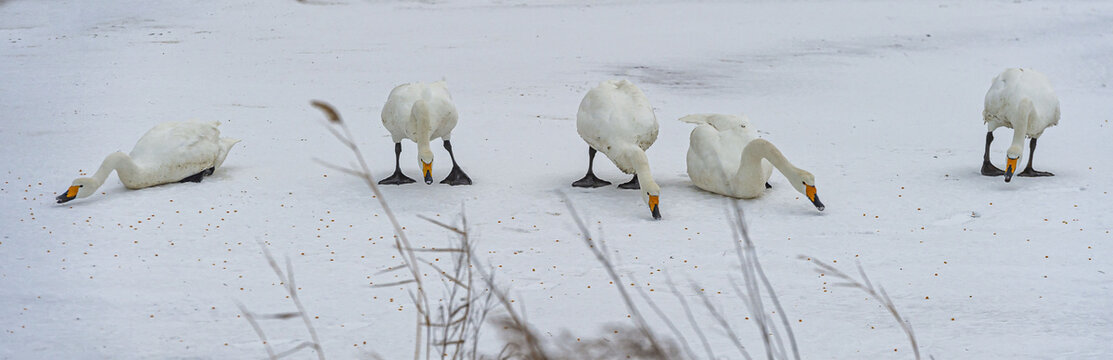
[[421, 115], [806, 186], [82, 187], [651, 194], [726, 157]]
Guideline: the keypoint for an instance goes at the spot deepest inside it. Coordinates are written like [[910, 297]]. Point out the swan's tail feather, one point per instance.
[[718, 121], [215, 123], [225, 146], [698, 119]]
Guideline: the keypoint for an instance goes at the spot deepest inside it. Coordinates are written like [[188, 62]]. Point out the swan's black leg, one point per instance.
[[987, 167], [209, 171], [195, 177], [457, 176], [397, 178], [632, 184], [767, 186], [1028, 171], [589, 180]]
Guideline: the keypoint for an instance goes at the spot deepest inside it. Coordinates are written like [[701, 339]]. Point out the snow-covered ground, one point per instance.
[[881, 100]]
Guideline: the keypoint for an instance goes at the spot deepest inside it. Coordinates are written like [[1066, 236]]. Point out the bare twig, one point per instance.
[[752, 271], [258, 329], [287, 280], [876, 292], [721, 321], [691, 318], [401, 241], [636, 315], [668, 322]]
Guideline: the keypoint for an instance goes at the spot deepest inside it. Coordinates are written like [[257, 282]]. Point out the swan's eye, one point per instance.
[[81, 186]]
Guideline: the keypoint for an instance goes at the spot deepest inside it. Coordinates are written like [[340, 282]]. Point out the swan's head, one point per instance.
[[81, 188], [806, 186], [1013, 156], [651, 194], [425, 157]]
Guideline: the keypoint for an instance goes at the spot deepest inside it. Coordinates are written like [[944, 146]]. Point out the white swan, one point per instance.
[[422, 112], [615, 118], [1022, 100], [169, 152], [726, 157]]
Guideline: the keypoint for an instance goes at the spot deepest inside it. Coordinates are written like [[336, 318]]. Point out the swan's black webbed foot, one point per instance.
[[632, 184], [397, 179], [590, 181], [195, 177], [1029, 172], [209, 171], [456, 177], [989, 170], [767, 186]]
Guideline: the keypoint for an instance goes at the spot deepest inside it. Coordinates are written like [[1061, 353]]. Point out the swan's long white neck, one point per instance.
[[1020, 128], [751, 173], [119, 162], [635, 157], [421, 117], [641, 168]]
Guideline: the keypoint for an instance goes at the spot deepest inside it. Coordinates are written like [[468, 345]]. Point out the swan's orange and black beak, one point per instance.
[[1010, 167], [814, 198], [70, 194], [654, 206], [427, 171]]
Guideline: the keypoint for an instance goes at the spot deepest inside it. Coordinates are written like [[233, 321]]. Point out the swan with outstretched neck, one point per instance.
[[1022, 100], [169, 152], [726, 157], [616, 119]]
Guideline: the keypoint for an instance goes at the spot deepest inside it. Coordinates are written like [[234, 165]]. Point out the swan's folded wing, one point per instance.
[[191, 146], [705, 166]]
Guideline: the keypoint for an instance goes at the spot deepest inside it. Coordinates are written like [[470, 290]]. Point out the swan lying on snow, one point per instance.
[[615, 118], [422, 112], [1022, 100], [169, 152], [726, 157]]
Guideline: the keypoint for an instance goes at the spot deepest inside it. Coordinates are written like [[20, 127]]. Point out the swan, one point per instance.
[[422, 112], [1022, 100], [615, 118], [726, 157], [169, 152]]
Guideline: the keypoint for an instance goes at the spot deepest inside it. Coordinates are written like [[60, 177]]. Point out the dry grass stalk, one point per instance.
[[691, 318], [401, 242], [462, 319], [513, 320], [635, 314], [751, 272], [287, 280], [877, 292]]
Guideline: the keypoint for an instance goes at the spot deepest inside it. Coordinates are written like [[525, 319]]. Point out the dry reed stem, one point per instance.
[[401, 241], [752, 271], [876, 292], [287, 280], [636, 315], [691, 318]]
